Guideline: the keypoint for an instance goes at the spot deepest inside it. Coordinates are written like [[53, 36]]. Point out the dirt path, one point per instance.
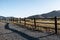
[[15, 32]]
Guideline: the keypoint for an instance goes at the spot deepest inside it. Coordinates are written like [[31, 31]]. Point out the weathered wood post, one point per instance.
[[55, 25], [13, 20], [20, 20], [24, 21], [17, 20], [35, 22]]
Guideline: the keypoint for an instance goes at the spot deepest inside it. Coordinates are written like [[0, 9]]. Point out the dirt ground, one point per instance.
[[15, 32]]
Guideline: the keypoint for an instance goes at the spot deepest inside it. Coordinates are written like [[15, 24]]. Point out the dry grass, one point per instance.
[[40, 24]]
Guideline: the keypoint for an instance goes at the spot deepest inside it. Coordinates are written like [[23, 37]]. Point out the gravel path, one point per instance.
[[15, 32]]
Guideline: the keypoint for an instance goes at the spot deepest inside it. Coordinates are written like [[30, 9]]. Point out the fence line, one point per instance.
[[55, 19], [34, 21]]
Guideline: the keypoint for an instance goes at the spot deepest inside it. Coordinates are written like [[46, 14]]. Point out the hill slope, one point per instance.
[[47, 15]]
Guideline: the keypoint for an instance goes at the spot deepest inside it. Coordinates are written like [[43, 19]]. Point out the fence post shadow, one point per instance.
[[7, 26]]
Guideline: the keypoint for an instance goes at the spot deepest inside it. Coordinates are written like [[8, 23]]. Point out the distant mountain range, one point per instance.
[[3, 18], [47, 15]]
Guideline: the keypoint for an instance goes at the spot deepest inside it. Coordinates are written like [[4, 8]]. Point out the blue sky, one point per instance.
[[25, 8]]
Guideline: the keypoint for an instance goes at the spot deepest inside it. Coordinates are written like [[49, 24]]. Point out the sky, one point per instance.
[[25, 8]]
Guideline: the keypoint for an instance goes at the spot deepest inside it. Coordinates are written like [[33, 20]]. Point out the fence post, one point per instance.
[[13, 20], [24, 21], [20, 20], [17, 20], [35, 22], [55, 25]]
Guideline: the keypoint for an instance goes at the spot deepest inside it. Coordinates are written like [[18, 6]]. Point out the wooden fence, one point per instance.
[[33, 23], [55, 23]]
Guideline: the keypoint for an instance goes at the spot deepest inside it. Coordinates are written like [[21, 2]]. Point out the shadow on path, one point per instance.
[[20, 33], [47, 35]]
